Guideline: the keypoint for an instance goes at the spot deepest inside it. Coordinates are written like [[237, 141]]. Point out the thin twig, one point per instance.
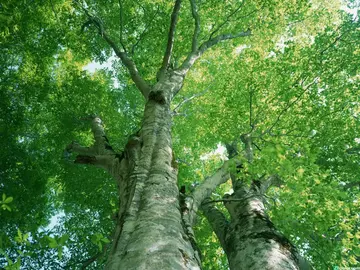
[[143, 33], [290, 104], [185, 100], [193, 56], [227, 19]]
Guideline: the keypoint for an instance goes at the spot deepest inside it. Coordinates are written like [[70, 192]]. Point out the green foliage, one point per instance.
[[296, 79]]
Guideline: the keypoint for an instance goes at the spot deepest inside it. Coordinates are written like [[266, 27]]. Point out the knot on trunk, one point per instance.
[[157, 96]]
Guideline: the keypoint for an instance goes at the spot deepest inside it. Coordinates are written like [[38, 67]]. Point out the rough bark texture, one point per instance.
[[150, 232], [250, 239], [153, 231]]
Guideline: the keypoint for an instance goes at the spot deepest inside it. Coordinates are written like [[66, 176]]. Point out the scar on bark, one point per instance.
[[82, 159], [174, 162], [182, 196], [157, 96]]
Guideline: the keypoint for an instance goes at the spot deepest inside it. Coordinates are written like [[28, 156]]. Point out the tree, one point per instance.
[[287, 94]]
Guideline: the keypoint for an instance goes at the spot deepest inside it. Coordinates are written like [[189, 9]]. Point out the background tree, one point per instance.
[[293, 84]]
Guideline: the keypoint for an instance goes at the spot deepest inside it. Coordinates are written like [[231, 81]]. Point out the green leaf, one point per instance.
[[99, 246], [63, 239], [94, 239], [19, 237], [60, 252], [8, 200], [105, 240], [52, 242]]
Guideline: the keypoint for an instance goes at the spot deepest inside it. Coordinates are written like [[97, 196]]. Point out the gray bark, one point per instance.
[[150, 232], [249, 239]]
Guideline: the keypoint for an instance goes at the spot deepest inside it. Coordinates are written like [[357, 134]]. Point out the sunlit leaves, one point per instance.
[[295, 79], [5, 201], [98, 239]]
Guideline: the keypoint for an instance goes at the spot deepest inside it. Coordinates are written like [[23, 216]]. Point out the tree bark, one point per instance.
[[150, 233], [249, 239]]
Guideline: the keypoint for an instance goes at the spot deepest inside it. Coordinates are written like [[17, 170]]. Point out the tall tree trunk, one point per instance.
[[250, 240], [150, 233]]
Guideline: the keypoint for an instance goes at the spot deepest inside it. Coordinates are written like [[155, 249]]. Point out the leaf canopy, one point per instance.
[[294, 83]]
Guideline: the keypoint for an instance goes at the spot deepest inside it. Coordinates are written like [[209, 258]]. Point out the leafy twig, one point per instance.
[[227, 19]]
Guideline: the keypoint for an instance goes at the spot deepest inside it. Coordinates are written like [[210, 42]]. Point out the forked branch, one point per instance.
[[227, 19], [197, 51], [125, 59], [130, 65], [204, 191], [193, 56], [188, 99], [100, 154], [171, 37]]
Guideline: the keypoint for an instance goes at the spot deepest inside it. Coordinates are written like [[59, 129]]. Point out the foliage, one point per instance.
[[295, 82]]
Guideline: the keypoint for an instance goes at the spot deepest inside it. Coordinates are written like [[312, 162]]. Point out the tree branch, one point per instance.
[[128, 63], [249, 151], [352, 185], [353, 150], [185, 100], [290, 104], [204, 190], [193, 56], [272, 180], [171, 37], [217, 220], [227, 19], [121, 25], [143, 33], [195, 15], [100, 154], [92, 259]]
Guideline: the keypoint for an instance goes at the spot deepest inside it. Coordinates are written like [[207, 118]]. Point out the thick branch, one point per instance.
[[193, 56], [100, 154], [171, 36], [249, 151], [217, 221], [128, 63], [264, 185], [195, 15], [205, 189], [121, 26]]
